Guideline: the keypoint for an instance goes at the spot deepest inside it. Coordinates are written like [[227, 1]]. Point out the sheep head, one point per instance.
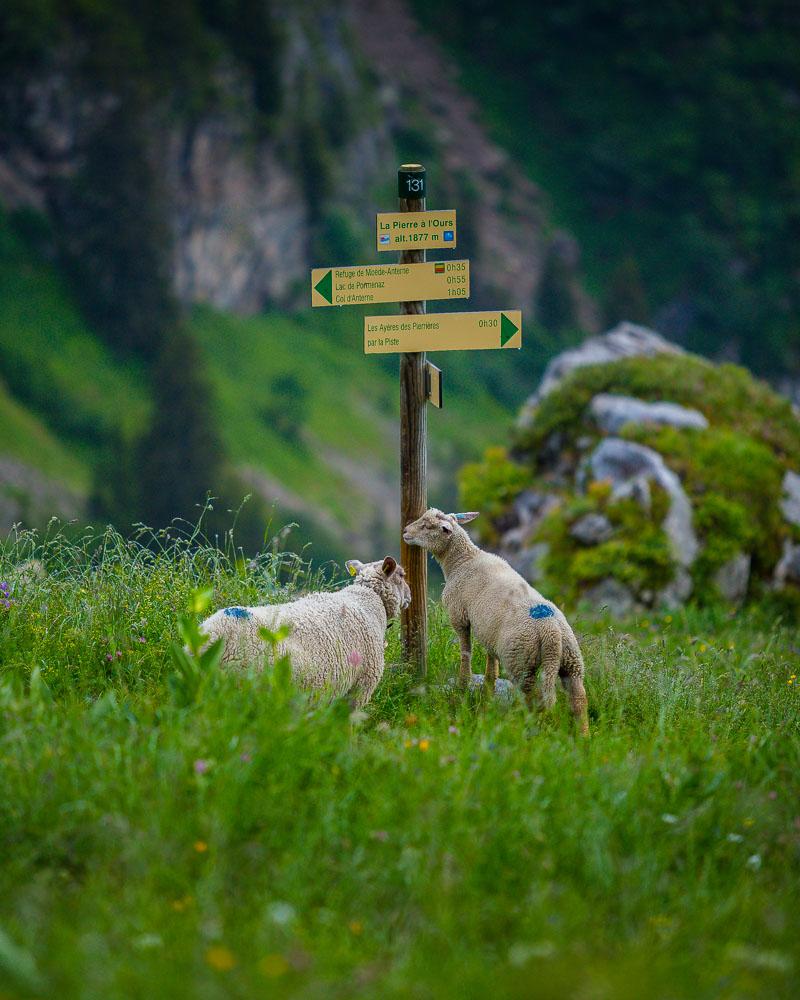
[[387, 578], [435, 530]]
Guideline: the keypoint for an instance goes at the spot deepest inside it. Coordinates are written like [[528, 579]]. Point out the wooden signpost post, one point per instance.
[[413, 444], [411, 282]]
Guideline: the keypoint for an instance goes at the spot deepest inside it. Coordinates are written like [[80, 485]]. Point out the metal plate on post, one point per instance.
[[433, 384]]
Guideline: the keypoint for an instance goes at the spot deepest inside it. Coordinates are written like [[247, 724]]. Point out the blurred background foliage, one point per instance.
[[667, 137], [663, 144]]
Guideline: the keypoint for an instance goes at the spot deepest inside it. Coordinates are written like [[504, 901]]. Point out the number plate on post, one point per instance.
[[411, 183]]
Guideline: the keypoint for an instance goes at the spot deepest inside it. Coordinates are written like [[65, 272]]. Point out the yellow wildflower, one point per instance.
[[749, 821], [220, 958], [424, 744], [356, 927], [200, 846], [179, 905], [703, 647], [273, 966]]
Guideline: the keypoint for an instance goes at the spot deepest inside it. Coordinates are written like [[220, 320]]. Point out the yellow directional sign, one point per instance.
[[416, 230], [368, 283], [476, 331]]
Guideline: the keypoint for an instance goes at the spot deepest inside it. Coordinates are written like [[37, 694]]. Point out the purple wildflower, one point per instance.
[[109, 657], [453, 730], [201, 766], [245, 757], [141, 639], [4, 587]]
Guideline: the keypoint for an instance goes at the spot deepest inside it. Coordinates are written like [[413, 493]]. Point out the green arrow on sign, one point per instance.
[[507, 329], [325, 286]]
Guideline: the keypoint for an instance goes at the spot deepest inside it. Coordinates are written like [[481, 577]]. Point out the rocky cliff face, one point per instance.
[[240, 204], [236, 205]]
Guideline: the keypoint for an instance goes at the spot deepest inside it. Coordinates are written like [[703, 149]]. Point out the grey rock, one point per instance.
[[592, 529], [531, 506], [625, 341], [523, 518], [732, 578], [790, 502], [676, 592], [528, 562], [626, 466], [788, 568], [612, 595], [504, 690], [612, 413], [637, 489]]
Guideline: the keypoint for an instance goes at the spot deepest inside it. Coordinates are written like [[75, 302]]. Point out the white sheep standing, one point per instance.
[[336, 639], [484, 596]]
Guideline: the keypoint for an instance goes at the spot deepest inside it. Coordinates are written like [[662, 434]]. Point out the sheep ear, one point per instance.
[[389, 566], [464, 518], [354, 566]]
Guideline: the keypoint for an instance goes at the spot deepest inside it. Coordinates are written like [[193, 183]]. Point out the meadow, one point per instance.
[[170, 832]]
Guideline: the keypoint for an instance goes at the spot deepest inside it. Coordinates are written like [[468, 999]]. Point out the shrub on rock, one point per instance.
[[659, 478]]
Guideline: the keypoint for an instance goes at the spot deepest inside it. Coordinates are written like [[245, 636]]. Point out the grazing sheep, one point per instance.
[[336, 640], [485, 596]]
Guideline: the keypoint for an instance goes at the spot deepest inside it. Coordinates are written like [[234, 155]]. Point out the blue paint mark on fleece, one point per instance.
[[237, 613], [541, 611]]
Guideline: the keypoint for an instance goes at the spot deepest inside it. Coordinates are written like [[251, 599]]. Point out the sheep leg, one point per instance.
[[572, 679], [578, 702], [465, 669], [492, 673]]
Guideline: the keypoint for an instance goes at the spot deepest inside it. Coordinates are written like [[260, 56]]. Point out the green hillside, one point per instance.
[[351, 403], [327, 436], [23, 436]]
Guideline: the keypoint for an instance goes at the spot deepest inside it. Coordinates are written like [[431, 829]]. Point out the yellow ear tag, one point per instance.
[[351, 570]]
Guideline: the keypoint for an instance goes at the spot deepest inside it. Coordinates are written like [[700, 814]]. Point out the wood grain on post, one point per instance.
[[413, 463]]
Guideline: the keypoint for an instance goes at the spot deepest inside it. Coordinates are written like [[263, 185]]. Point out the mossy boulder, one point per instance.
[[695, 497]]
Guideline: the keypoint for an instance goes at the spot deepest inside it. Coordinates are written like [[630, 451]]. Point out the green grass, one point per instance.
[[437, 847]]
